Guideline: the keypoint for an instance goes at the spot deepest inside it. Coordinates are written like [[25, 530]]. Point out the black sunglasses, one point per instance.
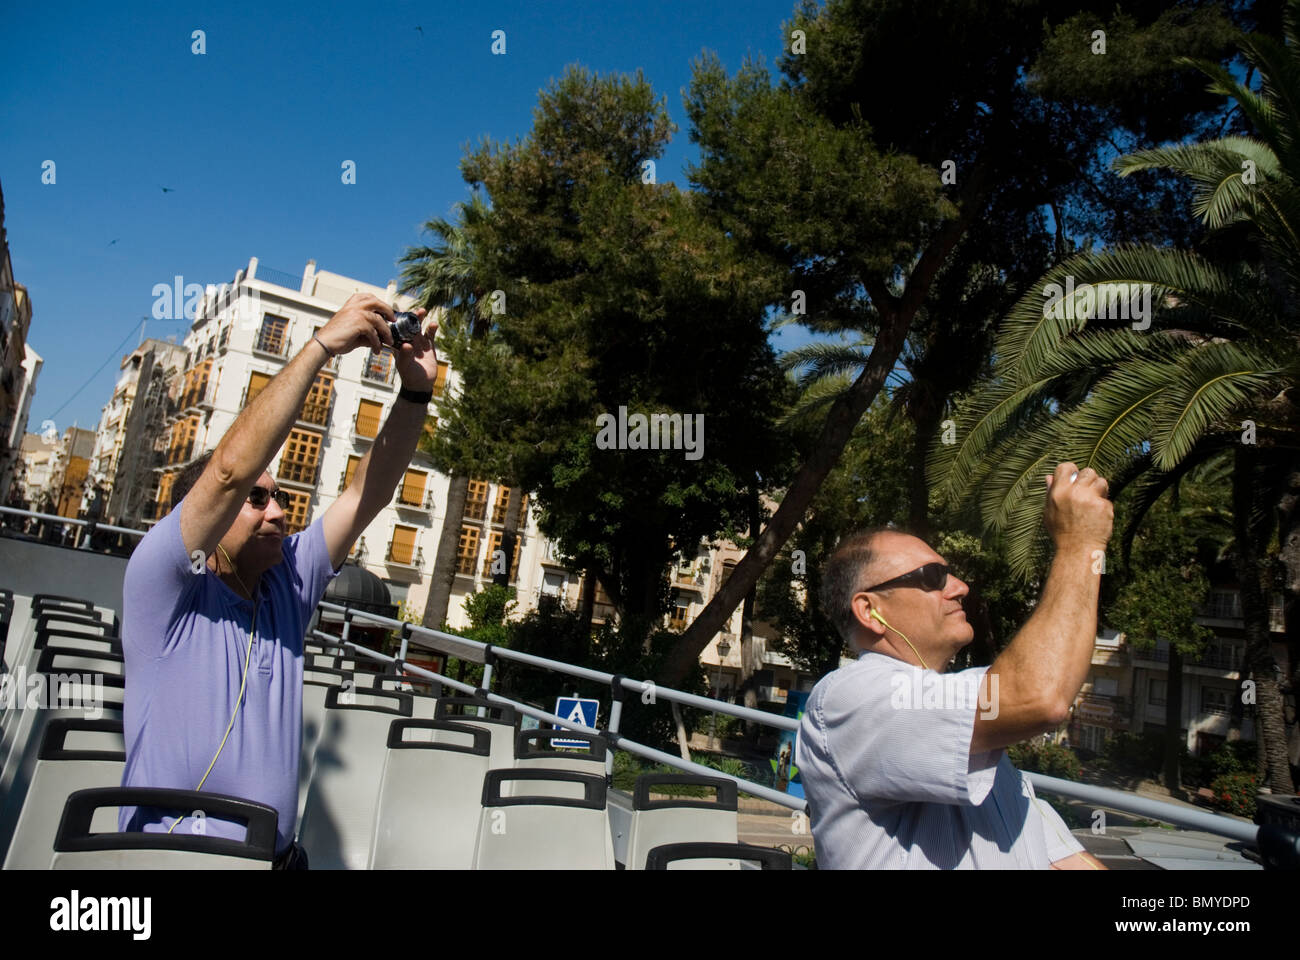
[[260, 497], [932, 576]]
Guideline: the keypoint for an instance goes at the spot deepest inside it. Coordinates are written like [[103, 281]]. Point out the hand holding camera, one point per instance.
[[1077, 509]]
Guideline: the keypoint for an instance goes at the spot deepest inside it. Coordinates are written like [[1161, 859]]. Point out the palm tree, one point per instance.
[[445, 276], [1079, 376]]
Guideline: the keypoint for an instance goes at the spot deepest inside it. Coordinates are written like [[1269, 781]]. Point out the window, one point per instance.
[[553, 584], [502, 505], [301, 457], [1092, 737], [1214, 700], [1106, 687], [349, 472], [412, 492], [402, 547], [467, 550], [164, 494], [494, 544], [224, 338], [440, 380], [1225, 605], [295, 517], [379, 366], [196, 385], [316, 408], [476, 500], [368, 418], [678, 616], [1156, 692], [273, 337], [256, 384], [182, 440]]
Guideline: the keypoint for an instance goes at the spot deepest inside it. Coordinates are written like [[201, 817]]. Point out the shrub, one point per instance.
[[1235, 793], [1049, 759]]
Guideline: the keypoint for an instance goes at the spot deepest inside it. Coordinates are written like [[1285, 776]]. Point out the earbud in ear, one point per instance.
[[876, 615]]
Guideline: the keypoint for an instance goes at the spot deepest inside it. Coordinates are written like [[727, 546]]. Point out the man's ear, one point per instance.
[[862, 613]]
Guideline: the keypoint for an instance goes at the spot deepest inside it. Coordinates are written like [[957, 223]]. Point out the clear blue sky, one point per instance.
[[250, 136]]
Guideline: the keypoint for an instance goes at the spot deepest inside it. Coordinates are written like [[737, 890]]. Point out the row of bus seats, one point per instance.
[[458, 785], [393, 774]]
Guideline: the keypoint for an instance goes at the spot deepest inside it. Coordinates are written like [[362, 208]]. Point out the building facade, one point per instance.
[[126, 454], [18, 367]]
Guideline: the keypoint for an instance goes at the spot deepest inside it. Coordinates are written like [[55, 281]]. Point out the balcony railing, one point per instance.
[[304, 473], [365, 426], [415, 562], [423, 503], [317, 413], [272, 341], [378, 370]]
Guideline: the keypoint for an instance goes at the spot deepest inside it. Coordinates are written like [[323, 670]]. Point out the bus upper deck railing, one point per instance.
[[650, 692]]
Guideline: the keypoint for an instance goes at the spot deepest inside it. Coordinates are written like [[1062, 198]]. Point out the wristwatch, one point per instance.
[[415, 396]]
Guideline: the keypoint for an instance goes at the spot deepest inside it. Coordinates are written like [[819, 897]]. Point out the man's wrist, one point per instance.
[[415, 396]]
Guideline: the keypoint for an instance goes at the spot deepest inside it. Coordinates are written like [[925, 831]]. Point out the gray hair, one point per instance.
[[842, 577]]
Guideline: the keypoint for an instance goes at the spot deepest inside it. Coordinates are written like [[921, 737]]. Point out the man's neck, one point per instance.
[[241, 581]]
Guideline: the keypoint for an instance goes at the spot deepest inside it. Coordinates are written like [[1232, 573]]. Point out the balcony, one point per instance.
[[424, 505], [1101, 708], [196, 399], [365, 427], [400, 563], [378, 369], [272, 342], [317, 414], [300, 473]]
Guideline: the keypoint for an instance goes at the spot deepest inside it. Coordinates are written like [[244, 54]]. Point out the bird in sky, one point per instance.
[[111, 242], [421, 29], [168, 190]]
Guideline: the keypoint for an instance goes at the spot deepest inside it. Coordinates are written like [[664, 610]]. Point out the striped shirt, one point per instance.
[[884, 755]]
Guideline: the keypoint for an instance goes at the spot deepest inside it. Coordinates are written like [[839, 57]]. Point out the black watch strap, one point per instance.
[[415, 396]]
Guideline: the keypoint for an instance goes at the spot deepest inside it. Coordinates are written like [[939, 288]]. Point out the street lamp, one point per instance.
[[724, 648]]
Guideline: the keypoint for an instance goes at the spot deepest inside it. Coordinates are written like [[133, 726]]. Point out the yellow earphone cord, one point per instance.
[[248, 657], [877, 615]]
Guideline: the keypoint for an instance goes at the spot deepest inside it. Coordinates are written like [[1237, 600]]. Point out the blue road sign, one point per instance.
[[578, 710]]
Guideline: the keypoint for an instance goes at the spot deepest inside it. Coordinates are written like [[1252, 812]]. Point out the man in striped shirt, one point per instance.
[[902, 763]]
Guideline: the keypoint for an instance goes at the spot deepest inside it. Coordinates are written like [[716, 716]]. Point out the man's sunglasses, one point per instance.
[[260, 497], [932, 576]]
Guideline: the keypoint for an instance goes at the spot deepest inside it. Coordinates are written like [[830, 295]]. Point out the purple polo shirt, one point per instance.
[[184, 636]]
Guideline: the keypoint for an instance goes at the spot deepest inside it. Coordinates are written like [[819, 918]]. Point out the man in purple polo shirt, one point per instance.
[[216, 599]]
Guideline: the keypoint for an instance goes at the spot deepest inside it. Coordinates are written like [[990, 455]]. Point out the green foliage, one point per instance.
[[1236, 756], [1049, 759], [559, 633], [1164, 586], [1235, 793], [1140, 755], [488, 610], [605, 280]]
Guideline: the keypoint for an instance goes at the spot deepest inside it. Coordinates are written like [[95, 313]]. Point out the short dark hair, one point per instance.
[[189, 476], [842, 577]]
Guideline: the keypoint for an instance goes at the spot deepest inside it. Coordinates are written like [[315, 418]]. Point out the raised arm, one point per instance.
[[384, 464], [1040, 672], [260, 430]]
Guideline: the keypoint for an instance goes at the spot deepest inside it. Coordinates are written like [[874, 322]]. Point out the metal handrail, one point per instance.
[[423, 636], [73, 520]]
